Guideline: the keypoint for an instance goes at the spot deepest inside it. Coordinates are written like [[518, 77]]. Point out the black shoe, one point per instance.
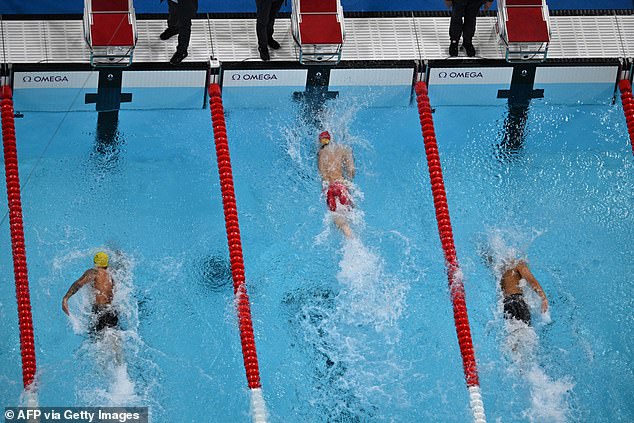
[[178, 57], [264, 54], [470, 49], [453, 49], [273, 44], [168, 33]]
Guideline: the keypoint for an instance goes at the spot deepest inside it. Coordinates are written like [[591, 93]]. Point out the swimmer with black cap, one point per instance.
[[336, 166]]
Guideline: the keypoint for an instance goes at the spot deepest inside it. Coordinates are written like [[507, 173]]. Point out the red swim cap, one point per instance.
[[324, 134]]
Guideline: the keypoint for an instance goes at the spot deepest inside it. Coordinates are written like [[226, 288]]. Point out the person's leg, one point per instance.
[[342, 224], [456, 23], [263, 11], [470, 13], [172, 17], [172, 22], [275, 8], [186, 12]]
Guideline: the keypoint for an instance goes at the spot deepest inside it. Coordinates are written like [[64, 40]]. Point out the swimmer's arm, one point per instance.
[[88, 276], [321, 164], [528, 275], [349, 162]]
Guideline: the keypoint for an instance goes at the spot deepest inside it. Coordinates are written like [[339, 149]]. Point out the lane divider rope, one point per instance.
[[27, 343], [258, 407], [628, 107], [456, 287]]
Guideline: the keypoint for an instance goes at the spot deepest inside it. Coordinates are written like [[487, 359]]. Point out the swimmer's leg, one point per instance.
[[342, 224], [112, 341]]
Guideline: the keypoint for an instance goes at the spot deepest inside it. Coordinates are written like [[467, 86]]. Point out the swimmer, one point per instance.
[[514, 305], [104, 313], [335, 161]]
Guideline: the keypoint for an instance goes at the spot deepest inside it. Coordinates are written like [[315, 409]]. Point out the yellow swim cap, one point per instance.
[[101, 259]]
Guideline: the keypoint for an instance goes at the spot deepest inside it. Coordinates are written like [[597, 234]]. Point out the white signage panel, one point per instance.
[[81, 79], [470, 76], [265, 78], [576, 75], [164, 78], [372, 77]]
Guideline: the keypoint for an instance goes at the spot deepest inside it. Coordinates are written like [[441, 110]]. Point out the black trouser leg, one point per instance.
[[470, 13], [456, 25], [263, 11], [275, 8], [172, 18], [186, 11]]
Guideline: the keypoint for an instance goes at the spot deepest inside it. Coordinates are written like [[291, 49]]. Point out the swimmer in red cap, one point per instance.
[[335, 161]]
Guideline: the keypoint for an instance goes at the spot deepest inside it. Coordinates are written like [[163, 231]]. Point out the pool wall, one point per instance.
[[83, 89]]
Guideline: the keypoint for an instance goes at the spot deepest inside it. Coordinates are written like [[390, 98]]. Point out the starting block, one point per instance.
[[318, 30], [110, 31], [524, 29]]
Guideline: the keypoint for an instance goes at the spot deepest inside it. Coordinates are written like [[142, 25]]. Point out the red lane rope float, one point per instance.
[[456, 286], [27, 344], [628, 107], [235, 245]]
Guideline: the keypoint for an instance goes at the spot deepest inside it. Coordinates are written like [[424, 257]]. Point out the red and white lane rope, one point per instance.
[[456, 287], [258, 406], [27, 344], [628, 107]]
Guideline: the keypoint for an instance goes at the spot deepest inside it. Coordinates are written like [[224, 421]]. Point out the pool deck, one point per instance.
[[400, 38]]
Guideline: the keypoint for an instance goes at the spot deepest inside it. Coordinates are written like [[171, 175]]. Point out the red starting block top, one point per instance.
[[110, 5], [523, 2], [111, 29], [526, 25], [318, 6], [320, 29], [319, 22]]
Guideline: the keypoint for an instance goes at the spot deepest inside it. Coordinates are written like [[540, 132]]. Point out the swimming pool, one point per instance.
[[346, 331]]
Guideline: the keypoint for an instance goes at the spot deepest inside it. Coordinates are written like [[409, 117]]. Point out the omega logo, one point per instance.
[[41, 78]]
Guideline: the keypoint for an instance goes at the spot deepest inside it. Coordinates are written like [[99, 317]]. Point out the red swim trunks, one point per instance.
[[337, 191]]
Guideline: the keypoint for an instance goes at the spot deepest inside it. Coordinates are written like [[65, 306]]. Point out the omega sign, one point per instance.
[[44, 78], [254, 77], [461, 75]]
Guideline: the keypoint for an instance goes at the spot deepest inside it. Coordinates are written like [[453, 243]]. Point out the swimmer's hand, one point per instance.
[[544, 305], [65, 305]]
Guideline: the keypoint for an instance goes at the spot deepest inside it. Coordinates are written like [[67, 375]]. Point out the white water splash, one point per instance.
[[549, 397], [371, 297]]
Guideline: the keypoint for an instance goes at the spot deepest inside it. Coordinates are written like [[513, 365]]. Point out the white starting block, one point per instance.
[[110, 31], [524, 28], [318, 30]]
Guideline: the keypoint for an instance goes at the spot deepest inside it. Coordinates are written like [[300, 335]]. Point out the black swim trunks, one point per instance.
[[516, 308], [104, 316]]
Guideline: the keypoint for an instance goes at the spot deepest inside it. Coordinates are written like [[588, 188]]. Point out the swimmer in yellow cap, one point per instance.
[[105, 315], [336, 166]]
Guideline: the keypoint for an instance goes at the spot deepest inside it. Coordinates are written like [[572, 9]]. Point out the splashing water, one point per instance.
[[355, 335], [372, 297], [549, 398]]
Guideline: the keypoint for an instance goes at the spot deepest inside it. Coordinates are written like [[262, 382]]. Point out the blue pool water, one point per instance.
[[346, 331]]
